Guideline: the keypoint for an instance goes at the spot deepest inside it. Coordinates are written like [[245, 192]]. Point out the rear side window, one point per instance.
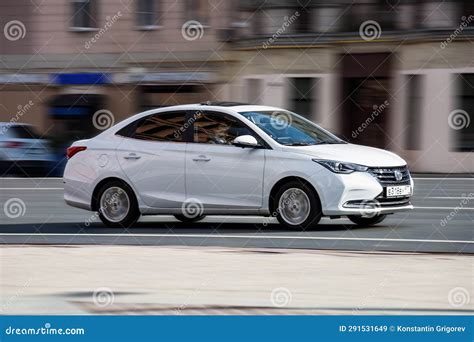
[[157, 127]]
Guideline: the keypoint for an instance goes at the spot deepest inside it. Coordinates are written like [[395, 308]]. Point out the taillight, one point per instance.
[[13, 144], [71, 151]]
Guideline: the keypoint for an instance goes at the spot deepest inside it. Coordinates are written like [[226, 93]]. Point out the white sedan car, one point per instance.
[[232, 159]]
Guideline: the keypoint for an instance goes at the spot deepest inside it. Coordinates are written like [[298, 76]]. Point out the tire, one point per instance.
[[366, 221], [183, 218], [117, 205], [297, 206]]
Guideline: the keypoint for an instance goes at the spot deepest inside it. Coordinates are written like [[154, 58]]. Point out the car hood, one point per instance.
[[351, 153]]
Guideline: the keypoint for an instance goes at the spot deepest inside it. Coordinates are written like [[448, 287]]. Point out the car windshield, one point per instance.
[[290, 129]]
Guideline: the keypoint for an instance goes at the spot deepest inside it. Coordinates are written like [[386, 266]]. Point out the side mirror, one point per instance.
[[245, 141]]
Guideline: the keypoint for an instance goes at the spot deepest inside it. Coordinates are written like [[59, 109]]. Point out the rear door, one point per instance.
[[152, 156], [219, 175]]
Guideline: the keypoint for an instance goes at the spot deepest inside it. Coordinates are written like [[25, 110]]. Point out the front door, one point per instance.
[[220, 175]]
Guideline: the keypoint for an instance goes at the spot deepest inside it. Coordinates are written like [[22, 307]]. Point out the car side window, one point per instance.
[[157, 127], [218, 128]]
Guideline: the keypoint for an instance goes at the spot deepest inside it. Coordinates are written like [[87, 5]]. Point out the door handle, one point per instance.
[[201, 158], [132, 156]]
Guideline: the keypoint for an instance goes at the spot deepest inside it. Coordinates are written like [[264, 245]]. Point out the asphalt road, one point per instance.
[[443, 221]]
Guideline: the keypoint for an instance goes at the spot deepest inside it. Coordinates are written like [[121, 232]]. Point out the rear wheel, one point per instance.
[[297, 206], [366, 221], [184, 218], [117, 205]]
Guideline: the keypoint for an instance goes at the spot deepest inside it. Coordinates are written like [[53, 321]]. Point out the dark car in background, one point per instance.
[[23, 151]]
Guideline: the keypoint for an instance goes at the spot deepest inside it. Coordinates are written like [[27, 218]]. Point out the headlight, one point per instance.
[[341, 167]]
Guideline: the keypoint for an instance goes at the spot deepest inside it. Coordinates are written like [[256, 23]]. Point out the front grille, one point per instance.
[[387, 175]]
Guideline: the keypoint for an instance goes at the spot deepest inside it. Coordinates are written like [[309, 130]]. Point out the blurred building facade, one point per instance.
[[393, 74]]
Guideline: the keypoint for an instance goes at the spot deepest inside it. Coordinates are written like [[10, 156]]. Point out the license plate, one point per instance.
[[400, 190]]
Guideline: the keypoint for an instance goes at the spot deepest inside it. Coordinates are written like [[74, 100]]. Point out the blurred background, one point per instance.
[[395, 74]]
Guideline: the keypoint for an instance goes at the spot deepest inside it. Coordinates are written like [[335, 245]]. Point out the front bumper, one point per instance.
[[358, 193]]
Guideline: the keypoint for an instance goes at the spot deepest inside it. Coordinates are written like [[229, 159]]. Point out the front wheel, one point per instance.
[[117, 205], [366, 221], [297, 206]]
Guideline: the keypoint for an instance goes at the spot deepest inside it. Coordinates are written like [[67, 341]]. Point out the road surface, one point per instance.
[[443, 221]]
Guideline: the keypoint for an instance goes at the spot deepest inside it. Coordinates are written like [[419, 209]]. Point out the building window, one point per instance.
[[146, 13], [84, 14], [414, 112], [197, 10], [301, 100], [460, 119]]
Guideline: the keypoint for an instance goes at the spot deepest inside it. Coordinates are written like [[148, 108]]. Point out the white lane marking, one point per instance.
[[452, 197], [420, 178], [213, 236], [443, 208], [31, 188], [448, 178]]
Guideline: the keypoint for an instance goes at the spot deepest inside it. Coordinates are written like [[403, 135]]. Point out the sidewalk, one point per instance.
[[171, 280]]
